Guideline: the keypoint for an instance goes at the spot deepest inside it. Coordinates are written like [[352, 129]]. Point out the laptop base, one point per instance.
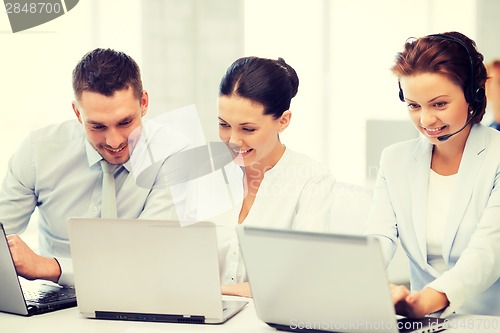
[[150, 317], [39, 309], [230, 309]]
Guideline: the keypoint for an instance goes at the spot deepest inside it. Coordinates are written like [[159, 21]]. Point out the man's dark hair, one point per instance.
[[105, 71]]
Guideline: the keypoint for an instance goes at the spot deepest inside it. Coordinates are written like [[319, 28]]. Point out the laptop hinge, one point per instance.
[[152, 317]]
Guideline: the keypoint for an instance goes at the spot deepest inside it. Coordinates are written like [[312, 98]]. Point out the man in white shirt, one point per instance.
[[58, 168]]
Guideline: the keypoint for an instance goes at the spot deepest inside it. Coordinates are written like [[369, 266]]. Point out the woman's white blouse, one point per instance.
[[297, 193]]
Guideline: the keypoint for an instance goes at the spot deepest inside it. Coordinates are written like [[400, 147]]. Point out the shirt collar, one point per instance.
[[93, 157], [280, 165]]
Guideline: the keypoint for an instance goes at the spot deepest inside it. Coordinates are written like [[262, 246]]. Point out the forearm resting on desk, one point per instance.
[[31, 265], [237, 289]]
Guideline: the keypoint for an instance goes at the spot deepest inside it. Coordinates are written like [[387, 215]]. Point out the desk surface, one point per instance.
[[70, 320]]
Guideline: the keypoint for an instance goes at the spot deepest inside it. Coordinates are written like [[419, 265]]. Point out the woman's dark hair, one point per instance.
[[272, 83], [453, 55], [105, 71]]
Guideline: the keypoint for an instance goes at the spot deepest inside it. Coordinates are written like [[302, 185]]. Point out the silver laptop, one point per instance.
[[317, 282], [148, 270], [23, 297]]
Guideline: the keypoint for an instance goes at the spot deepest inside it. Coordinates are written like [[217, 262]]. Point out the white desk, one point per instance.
[[70, 321]]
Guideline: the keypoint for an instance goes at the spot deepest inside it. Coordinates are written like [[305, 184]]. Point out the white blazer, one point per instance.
[[471, 246]]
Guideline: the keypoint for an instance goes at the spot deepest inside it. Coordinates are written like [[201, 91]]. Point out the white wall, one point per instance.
[[187, 47], [294, 30], [342, 51]]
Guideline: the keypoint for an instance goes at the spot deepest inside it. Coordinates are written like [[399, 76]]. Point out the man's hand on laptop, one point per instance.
[[417, 304], [31, 265], [237, 289]]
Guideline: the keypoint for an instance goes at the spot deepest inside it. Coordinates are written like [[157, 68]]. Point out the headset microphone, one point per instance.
[[447, 136]]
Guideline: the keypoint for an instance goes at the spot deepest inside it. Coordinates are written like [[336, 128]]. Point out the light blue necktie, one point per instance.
[[108, 203]]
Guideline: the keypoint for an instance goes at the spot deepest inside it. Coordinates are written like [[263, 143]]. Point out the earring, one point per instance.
[[471, 112]]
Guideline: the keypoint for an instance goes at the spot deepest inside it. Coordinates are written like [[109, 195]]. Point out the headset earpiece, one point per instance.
[[473, 95], [479, 95]]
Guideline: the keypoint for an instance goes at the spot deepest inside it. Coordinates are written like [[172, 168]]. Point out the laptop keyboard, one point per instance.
[[44, 297]]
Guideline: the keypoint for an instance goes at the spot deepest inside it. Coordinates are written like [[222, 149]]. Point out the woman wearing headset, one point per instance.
[[440, 194], [281, 188]]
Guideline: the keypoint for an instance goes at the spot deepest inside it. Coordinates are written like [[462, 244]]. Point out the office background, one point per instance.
[[341, 49], [346, 109]]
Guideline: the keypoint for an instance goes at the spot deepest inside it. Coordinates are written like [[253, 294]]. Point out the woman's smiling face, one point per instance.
[[252, 136], [436, 105]]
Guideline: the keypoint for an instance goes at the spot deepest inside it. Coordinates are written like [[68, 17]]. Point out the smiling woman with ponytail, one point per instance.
[[281, 188]]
